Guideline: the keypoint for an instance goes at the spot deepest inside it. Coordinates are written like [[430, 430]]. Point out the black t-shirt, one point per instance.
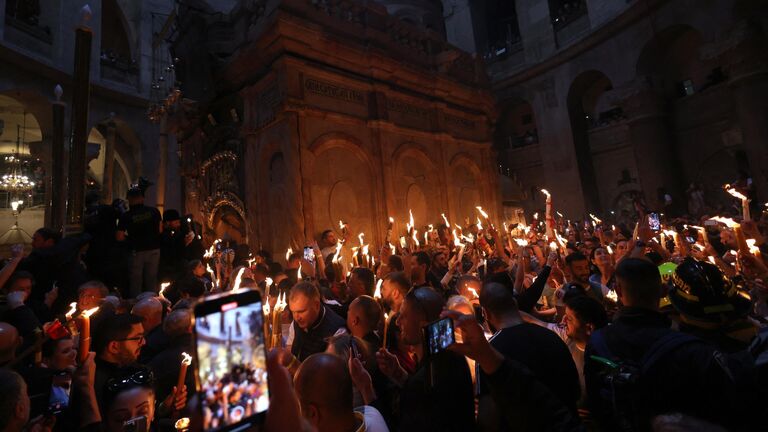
[[545, 355], [142, 224]]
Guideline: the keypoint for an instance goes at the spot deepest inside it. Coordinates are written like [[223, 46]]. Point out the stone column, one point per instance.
[[58, 186], [109, 162], [79, 143], [654, 148], [162, 164]]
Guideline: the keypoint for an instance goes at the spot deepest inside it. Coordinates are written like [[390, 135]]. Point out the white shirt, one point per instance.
[[372, 419]]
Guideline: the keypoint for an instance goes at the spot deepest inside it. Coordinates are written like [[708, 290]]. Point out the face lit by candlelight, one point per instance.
[[126, 351], [410, 321], [63, 355], [602, 257], [727, 238], [330, 239], [440, 261], [131, 403], [575, 328], [621, 248], [305, 310]]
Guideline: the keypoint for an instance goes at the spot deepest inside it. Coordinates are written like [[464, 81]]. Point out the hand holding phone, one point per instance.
[[654, 222], [309, 254], [438, 336]]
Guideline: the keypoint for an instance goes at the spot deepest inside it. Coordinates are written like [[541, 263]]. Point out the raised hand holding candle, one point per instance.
[[85, 334], [744, 201], [186, 360]]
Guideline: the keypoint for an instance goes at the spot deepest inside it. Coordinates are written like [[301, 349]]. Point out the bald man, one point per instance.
[[150, 310], [324, 388], [9, 343], [363, 318], [177, 327]]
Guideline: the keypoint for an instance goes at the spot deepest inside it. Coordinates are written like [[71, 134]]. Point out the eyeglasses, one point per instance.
[[141, 378]]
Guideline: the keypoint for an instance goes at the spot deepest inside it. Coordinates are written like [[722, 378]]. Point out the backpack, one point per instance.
[[623, 392]]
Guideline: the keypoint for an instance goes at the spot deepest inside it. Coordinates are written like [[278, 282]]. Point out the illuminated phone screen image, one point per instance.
[[232, 369], [439, 335]]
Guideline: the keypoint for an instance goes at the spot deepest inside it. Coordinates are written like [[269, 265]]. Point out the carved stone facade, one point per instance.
[[342, 112]]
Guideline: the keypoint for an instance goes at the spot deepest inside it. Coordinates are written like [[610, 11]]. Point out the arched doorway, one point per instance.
[[584, 105]]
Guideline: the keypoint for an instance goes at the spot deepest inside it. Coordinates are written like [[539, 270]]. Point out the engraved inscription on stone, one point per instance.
[[406, 108], [459, 121], [333, 91]]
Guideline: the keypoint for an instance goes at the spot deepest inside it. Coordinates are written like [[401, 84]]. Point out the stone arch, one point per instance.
[[516, 125], [417, 187], [117, 37], [466, 187], [344, 184], [583, 101], [671, 63]]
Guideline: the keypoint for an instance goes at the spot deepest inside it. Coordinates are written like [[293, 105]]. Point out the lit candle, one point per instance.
[[377, 293], [186, 360], [389, 229], [288, 254], [239, 277], [740, 240], [482, 212], [445, 219], [72, 310], [754, 249], [163, 287], [386, 330], [744, 201], [85, 334]]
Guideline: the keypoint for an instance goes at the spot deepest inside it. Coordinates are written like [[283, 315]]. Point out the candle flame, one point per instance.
[[553, 245], [521, 242], [474, 292], [410, 220], [265, 308], [560, 214], [445, 219], [612, 296], [360, 237], [536, 215], [288, 254], [72, 310], [341, 225], [238, 278], [391, 220], [610, 250], [456, 241], [546, 192], [89, 312], [595, 218], [298, 273], [479, 224], [186, 359], [431, 228], [482, 212], [730, 223], [670, 233], [752, 248], [365, 250], [735, 193], [712, 260], [336, 255], [377, 293], [163, 286]]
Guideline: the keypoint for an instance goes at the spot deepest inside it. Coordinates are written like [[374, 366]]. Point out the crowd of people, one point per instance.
[[600, 325]]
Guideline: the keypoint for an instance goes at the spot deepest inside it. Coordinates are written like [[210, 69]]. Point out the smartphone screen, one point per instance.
[[439, 335], [309, 254], [231, 360], [654, 222]]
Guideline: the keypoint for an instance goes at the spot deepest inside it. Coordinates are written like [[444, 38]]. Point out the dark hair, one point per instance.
[[497, 299], [49, 234], [265, 254], [109, 326], [423, 259], [274, 269], [50, 345], [125, 379], [640, 281], [576, 256], [588, 310], [261, 268], [395, 263], [11, 385], [371, 310], [17, 276], [367, 277], [398, 278], [94, 284], [325, 234], [427, 300], [295, 256]]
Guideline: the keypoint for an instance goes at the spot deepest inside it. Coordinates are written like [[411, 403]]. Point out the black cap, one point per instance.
[[701, 292], [171, 215]]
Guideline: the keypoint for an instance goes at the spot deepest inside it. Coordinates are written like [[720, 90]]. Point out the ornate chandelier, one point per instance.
[[15, 180]]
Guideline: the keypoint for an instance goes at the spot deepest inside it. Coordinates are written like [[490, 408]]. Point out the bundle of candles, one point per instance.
[[81, 327], [273, 329]]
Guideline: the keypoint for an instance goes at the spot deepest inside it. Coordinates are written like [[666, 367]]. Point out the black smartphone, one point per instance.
[[309, 254], [136, 424], [438, 336], [39, 388], [654, 222], [231, 360]]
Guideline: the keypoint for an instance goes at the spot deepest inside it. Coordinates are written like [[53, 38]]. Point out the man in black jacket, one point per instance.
[[540, 350], [691, 378], [438, 395], [313, 322]]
